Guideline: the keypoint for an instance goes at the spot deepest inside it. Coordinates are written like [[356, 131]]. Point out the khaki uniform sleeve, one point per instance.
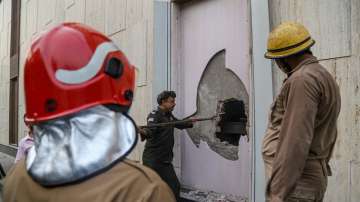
[[296, 134], [158, 192]]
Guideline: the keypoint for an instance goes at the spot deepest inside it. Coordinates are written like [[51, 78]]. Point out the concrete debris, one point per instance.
[[210, 196]]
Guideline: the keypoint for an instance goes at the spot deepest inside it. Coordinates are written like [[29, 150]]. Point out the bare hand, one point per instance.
[[142, 133], [192, 120]]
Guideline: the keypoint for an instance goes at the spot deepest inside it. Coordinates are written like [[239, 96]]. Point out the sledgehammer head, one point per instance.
[[231, 121]]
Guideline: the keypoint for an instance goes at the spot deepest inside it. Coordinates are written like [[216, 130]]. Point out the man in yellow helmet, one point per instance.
[[302, 131]]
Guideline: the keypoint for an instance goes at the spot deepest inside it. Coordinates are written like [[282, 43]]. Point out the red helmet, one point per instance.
[[73, 67]]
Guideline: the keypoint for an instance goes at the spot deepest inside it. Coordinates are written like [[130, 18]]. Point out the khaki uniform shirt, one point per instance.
[[301, 134], [126, 182]]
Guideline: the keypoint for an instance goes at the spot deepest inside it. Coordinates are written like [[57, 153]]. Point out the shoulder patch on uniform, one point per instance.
[[150, 119]]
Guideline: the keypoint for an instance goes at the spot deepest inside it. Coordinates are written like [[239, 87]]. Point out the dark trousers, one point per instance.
[[167, 173]]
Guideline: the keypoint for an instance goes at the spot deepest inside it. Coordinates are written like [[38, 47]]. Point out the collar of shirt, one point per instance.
[[28, 137], [309, 60], [163, 112]]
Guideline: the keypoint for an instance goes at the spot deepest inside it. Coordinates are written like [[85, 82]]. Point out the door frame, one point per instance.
[[261, 74], [262, 87]]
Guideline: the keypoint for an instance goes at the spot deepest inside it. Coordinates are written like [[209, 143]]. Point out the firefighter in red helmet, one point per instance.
[[78, 90]]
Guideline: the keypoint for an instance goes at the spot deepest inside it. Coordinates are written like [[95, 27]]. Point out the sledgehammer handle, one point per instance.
[[173, 123]]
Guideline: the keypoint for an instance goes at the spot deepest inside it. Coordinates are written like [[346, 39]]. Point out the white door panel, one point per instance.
[[207, 27]]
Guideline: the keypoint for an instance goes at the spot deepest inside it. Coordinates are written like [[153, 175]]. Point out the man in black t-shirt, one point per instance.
[[158, 152]]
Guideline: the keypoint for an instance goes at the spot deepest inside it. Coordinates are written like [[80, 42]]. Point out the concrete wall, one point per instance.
[[128, 22], [5, 25], [335, 25]]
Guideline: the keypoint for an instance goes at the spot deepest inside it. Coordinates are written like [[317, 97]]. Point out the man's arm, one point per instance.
[[184, 125], [296, 134], [147, 133]]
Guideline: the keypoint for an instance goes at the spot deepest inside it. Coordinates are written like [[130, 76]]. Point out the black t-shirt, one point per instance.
[[160, 140]]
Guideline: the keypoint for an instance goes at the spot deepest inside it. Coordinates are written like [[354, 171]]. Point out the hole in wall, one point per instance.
[[219, 84]]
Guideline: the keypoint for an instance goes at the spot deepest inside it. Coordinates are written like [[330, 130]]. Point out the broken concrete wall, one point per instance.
[[217, 83]]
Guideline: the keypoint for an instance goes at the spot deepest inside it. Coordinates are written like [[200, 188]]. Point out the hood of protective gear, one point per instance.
[[75, 147]]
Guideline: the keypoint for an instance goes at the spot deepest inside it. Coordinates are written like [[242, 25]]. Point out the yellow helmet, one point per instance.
[[288, 39]]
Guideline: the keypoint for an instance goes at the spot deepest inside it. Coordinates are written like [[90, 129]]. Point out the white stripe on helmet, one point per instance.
[[88, 71]]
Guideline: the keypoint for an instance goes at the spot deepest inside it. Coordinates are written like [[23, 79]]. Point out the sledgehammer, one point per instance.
[[173, 123]]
